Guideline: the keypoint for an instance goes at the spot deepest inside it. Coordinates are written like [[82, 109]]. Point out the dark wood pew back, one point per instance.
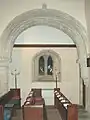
[[5, 98], [68, 111], [8, 101], [15, 92], [9, 95]]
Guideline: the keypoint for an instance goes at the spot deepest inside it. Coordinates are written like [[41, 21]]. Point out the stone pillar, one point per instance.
[[85, 77], [88, 92], [4, 68]]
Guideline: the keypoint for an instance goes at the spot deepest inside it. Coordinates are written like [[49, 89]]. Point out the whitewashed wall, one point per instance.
[[9, 9], [22, 60]]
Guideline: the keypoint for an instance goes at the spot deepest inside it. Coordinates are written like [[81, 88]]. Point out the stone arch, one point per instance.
[[48, 17], [56, 64]]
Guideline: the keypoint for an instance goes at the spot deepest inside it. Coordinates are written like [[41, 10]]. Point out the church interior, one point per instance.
[[44, 60]]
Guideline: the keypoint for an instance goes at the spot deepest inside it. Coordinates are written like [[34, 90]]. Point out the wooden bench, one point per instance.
[[8, 103], [68, 111], [16, 98], [34, 106], [6, 112]]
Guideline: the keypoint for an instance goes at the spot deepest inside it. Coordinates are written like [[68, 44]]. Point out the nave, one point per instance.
[[34, 107]]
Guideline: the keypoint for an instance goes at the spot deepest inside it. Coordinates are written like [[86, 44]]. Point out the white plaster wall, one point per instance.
[[22, 60], [3, 76], [9, 9]]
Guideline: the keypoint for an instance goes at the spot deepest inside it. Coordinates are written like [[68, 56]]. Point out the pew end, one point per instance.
[[67, 110], [72, 112], [34, 106]]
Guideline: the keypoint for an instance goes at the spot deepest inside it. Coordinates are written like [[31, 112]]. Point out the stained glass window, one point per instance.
[[41, 65], [49, 66]]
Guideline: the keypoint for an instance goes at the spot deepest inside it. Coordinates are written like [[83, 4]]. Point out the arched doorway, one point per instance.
[[48, 17]]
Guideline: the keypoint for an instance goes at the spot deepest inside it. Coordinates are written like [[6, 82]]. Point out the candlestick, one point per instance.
[[15, 73]]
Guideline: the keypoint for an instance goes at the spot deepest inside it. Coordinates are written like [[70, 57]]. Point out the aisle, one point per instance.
[[83, 114], [18, 115], [52, 114]]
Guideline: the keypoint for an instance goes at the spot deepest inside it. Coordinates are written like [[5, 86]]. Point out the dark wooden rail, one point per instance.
[[68, 111]]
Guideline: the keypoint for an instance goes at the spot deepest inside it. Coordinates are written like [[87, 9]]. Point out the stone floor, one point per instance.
[[83, 114], [18, 115], [53, 114]]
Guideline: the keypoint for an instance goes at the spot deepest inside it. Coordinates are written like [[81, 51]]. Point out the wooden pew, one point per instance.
[[27, 101], [55, 98], [68, 111], [1, 113], [34, 106], [33, 111], [6, 114], [7, 105], [16, 98], [28, 98]]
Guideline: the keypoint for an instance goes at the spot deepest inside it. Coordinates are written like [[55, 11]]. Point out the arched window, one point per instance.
[[49, 66], [45, 64], [41, 66]]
